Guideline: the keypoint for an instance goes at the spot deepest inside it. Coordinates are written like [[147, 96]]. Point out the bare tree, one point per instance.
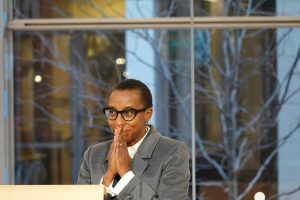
[[225, 74]]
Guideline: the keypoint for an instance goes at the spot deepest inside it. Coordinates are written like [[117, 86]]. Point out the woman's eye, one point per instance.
[[112, 112], [129, 112]]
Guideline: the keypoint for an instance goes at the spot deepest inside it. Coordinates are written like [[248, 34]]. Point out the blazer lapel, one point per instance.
[[141, 158], [139, 165]]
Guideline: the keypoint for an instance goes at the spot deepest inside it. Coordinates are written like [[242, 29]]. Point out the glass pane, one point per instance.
[[100, 9], [238, 8], [150, 8], [246, 8], [247, 86], [61, 83]]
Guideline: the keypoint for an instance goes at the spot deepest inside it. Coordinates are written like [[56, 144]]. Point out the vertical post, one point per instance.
[[77, 106], [6, 97], [2, 150], [193, 124]]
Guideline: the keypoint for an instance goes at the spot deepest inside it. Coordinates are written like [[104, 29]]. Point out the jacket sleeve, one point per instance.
[[173, 183], [84, 175]]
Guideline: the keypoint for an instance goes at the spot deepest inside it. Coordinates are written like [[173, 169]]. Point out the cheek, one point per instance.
[[111, 125], [129, 130], [133, 128]]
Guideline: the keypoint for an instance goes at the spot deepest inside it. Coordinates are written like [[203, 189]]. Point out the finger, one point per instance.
[[116, 140], [117, 132], [119, 146], [121, 134], [111, 153], [117, 136], [123, 143], [121, 151], [113, 146], [113, 149], [120, 137]]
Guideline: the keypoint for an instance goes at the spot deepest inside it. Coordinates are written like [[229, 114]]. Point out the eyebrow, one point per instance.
[[126, 108]]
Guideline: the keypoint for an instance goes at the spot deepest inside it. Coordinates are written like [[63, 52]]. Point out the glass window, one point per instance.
[[148, 8], [234, 8], [246, 91], [238, 97], [61, 83], [62, 80], [100, 9]]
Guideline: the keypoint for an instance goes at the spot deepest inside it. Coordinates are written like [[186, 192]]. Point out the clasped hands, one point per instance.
[[119, 161]]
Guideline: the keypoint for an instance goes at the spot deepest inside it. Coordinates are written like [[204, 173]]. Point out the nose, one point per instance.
[[119, 120]]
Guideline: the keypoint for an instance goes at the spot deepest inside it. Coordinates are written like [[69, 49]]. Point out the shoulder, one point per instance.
[[170, 141], [172, 144], [154, 133], [174, 153], [101, 146], [167, 146]]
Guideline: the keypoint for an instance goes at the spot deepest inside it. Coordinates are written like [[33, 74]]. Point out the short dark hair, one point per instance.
[[133, 84]]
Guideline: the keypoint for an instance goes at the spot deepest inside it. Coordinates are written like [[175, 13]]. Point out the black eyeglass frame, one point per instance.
[[122, 111]]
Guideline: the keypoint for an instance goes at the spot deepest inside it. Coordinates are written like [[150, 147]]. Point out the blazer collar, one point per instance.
[[146, 148], [144, 152]]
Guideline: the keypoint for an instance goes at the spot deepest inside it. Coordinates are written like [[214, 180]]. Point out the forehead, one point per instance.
[[124, 98]]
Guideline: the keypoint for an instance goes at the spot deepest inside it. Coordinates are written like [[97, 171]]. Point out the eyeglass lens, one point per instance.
[[127, 115]]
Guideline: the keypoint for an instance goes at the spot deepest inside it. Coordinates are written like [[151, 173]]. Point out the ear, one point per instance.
[[148, 115]]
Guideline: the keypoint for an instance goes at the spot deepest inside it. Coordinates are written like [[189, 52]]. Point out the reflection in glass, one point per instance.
[[100, 9], [62, 81], [235, 8], [238, 102]]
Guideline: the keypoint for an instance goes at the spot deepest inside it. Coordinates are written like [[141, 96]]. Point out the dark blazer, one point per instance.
[[161, 168]]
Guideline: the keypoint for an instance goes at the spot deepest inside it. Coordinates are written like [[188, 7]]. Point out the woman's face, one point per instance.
[[135, 129]]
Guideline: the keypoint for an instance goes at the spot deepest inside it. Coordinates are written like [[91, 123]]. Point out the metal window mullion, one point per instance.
[[193, 126], [155, 23], [2, 121], [6, 101]]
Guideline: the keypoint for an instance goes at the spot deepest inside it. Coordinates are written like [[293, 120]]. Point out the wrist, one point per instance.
[[123, 172], [108, 178]]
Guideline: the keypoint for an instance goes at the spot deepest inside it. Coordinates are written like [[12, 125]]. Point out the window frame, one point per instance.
[[6, 91], [15, 25]]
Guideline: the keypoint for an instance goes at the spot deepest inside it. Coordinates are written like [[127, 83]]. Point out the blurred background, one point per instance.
[[230, 93]]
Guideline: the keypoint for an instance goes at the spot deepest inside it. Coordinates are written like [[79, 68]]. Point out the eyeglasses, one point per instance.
[[127, 115]]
